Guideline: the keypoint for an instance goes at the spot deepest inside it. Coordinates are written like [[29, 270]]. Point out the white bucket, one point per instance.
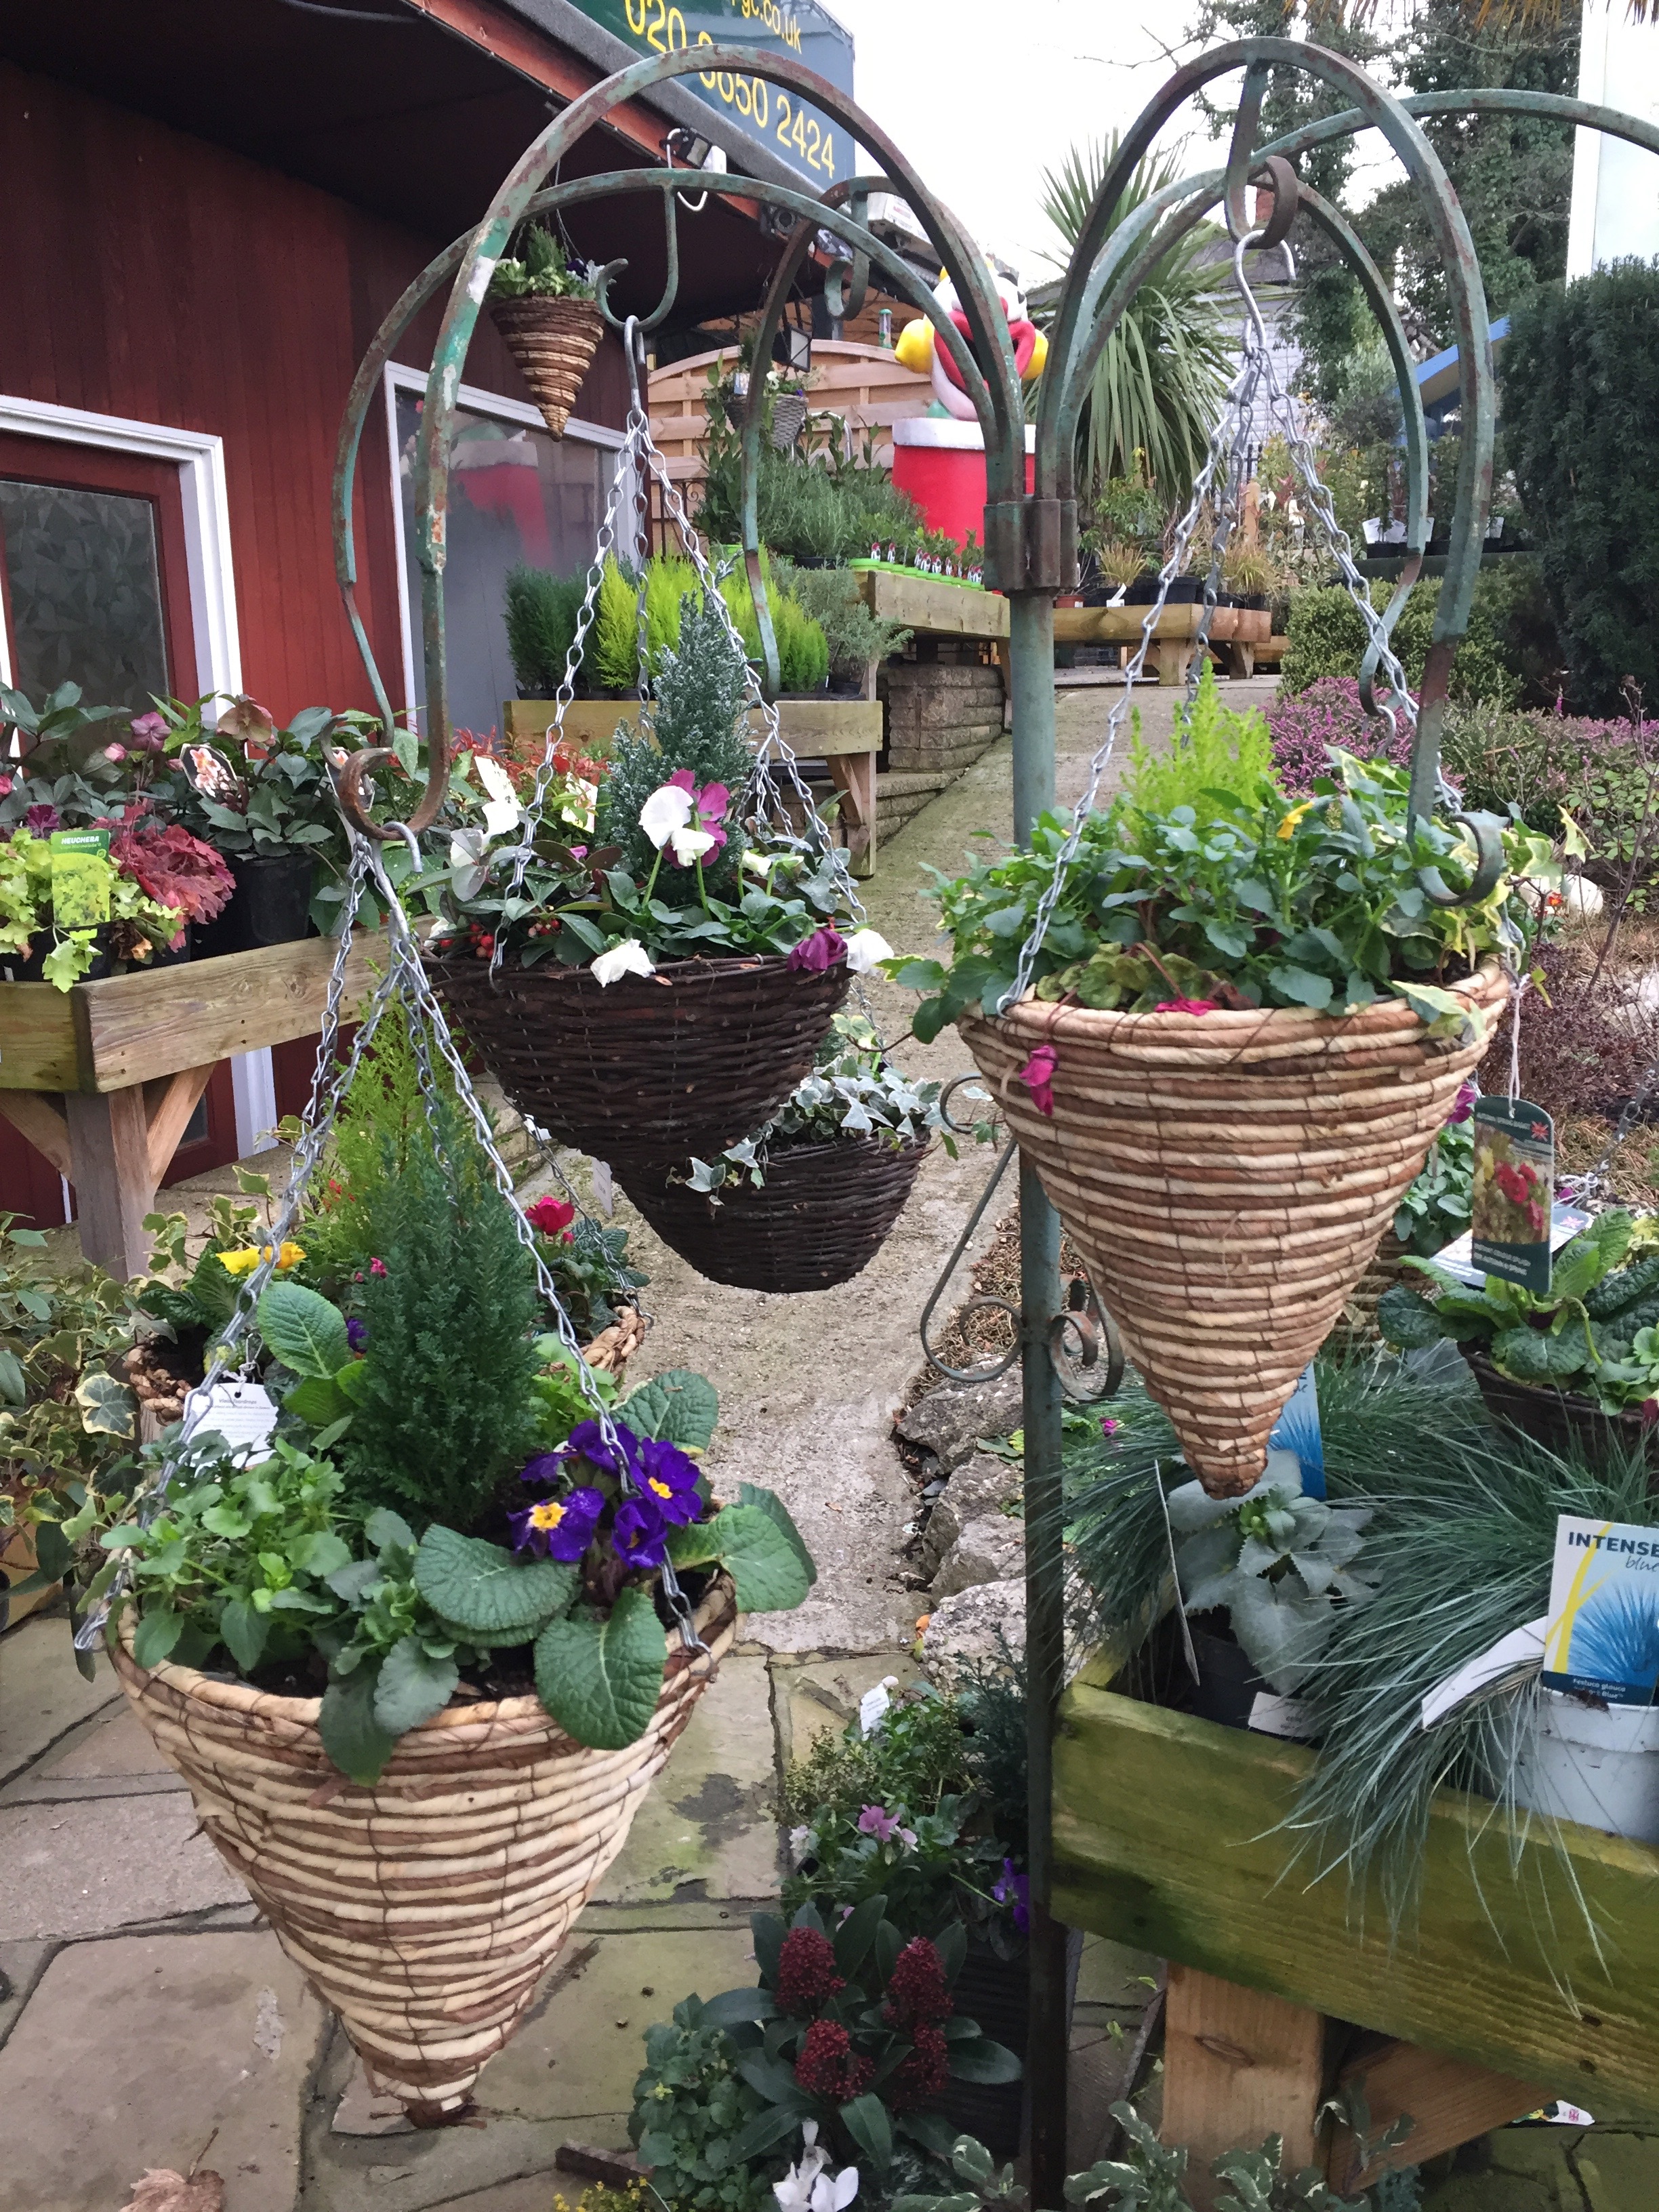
[[1593, 1764]]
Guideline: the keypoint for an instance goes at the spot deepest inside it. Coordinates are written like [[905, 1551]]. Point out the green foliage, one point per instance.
[[538, 270], [1435, 1206], [689, 2102], [1156, 393], [803, 651], [1213, 751], [613, 647], [599, 1675], [854, 637], [445, 1410], [1581, 406], [1262, 903], [1326, 636], [669, 577], [541, 612]]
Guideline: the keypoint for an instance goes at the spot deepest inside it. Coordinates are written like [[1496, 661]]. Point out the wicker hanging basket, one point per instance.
[[1227, 1178], [653, 1067], [426, 1909], [553, 342], [820, 1218]]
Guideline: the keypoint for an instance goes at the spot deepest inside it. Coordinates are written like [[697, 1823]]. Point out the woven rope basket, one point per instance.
[[820, 1218], [426, 1909], [653, 1067], [1227, 1177], [553, 342]]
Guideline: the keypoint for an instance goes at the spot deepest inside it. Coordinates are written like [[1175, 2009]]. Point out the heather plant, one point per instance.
[[1305, 727]]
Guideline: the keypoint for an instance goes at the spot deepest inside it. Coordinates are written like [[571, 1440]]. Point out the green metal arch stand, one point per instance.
[[1030, 555]]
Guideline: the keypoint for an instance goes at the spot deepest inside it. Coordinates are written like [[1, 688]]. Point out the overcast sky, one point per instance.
[[983, 96]]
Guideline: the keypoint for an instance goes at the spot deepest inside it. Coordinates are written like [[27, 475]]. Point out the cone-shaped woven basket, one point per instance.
[[426, 1909], [552, 341], [1227, 1177], [653, 1067]]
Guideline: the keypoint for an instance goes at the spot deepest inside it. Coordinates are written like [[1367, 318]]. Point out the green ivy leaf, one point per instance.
[[412, 1686], [678, 1406], [766, 1566], [600, 1678], [303, 1329], [478, 1585], [351, 1735], [108, 1407]]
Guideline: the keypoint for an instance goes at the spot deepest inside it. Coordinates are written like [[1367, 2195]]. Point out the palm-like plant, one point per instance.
[[1156, 389]]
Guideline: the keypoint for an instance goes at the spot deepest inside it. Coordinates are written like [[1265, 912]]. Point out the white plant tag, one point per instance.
[[872, 1705], [1271, 1715], [241, 1413], [604, 1193]]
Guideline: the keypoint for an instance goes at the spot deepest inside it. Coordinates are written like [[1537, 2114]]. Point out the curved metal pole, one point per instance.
[[1483, 100], [902, 277]]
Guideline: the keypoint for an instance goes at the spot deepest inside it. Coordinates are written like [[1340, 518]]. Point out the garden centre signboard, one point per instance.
[[790, 130]]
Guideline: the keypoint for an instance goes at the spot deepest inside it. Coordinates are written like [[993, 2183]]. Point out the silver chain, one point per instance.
[[1222, 467]]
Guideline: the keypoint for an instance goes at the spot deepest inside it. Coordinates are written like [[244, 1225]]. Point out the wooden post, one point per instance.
[[1449, 2100], [1238, 2065], [109, 1166], [853, 775]]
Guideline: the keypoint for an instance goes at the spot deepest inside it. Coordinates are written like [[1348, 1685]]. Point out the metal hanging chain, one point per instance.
[[1225, 457]]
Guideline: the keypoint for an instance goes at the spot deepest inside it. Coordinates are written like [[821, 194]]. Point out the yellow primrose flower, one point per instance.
[[243, 1262], [1287, 827]]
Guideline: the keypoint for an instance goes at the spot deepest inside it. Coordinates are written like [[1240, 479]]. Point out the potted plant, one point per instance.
[[1250, 575], [1221, 969], [1116, 566], [434, 1609], [43, 939], [1577, 1364], [660, 992], [545, 308], [808, 1200]]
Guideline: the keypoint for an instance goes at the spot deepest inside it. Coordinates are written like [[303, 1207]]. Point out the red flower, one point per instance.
[[550, 1215], [1516, 1183], [1188, 1006], [916, 1989], [829, 2066], [1038, 1077], [806, 1972], [923, 2076]]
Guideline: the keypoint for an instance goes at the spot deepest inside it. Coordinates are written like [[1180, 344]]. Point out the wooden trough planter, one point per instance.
[[103, 1078], [1166, 1837]]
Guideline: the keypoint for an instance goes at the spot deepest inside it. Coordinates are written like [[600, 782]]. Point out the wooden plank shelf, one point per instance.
[[1168, 1836], [1239, 632], [932, 605], [103, 1078]]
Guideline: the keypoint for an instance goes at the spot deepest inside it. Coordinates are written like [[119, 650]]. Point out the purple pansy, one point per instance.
[[1014, 1891], [820, 950], [558, 1528], [356, 1332], [876, 1821]]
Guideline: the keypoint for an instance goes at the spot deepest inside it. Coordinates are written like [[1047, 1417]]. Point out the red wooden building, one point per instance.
[[205, 210]]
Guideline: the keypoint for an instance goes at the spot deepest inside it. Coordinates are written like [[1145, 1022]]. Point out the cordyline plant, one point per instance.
[[1204, 885]]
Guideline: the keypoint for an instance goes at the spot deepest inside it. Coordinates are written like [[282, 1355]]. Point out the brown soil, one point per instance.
[[979, 1338]]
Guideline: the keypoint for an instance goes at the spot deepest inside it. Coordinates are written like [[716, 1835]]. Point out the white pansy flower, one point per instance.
[[690, 845], [627, 958], [501, 814], [865, 947], [668, 809]]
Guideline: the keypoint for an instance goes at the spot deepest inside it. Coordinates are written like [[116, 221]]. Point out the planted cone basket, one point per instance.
[[1227, 1177], [553, 342], [425, 1909], [653, 1067]]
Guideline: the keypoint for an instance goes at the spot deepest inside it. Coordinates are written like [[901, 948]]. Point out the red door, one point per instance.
[[94, 589]]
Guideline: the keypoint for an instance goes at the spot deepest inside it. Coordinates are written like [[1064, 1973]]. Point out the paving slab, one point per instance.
[[569, 2072], [133, 2052], [1619, 2172], [101, 1864], [43, 1694], [1113, 1974], [818, 1697], [21, 1965], [116, 1747], [709, 1826]]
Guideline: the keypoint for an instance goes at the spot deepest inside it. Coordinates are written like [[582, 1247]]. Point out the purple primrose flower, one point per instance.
[[668, 1478], [639, 1532], [356, 1332], [558, 1528], [1014, 1891]]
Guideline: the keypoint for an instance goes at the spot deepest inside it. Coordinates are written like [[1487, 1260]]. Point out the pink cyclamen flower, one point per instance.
[[1188, 1006], [1463, 1104], [1038, 1077], [819, 951], [5, 787], [1108, 1427], [709, 807], [116, 754], [149, 732], [377, 1267]]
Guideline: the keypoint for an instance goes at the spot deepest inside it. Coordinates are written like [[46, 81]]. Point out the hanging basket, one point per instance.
[[1358, 1320], [553, 342], [819, 1218], [425, 1909], [653, 1067], [1562, 1420], [1227, 1177]]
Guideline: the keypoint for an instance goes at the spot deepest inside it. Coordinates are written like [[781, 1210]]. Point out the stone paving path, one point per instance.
[[144, 2009]]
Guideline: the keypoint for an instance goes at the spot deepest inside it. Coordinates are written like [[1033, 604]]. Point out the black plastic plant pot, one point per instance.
[[996, 1992], [165, 957], [1184, 592], [1228, 1685], [270, 905], [15, 968]]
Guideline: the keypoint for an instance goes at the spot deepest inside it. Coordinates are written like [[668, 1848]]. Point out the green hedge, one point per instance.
[[1326, 636]]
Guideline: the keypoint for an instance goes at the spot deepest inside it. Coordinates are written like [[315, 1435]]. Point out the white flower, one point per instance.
[[864, 948], [668, 809], [691, 844], [760, 864], [468, 868], [501, 813], [800, 1839], [807, 2187], [627, 958]]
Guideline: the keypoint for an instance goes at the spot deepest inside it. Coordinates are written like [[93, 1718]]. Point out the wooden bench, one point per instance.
[[1238, 632]]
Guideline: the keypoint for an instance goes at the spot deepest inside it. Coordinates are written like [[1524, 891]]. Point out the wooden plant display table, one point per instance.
[[1237, 631], [104, 1078], [932, 606], [845, 733], [1165, 1839]]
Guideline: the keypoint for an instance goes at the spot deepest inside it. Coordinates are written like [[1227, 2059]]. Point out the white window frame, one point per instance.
[[199, 457], [397, 378]]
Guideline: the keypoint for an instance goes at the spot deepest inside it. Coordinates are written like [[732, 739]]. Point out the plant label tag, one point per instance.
[[1602, 1639], [241, 1413], [1297, 1430], [1566, 1221], [80, 876], [1514, 1183]]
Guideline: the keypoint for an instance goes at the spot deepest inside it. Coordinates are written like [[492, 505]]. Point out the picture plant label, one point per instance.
[[1514, 1177]]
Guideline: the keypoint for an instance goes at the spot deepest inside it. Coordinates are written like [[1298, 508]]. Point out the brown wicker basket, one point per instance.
[[1561, 1419], [553, 342], [1227, 1177], [820, 1218], [426, 1909], [653, 1067]]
